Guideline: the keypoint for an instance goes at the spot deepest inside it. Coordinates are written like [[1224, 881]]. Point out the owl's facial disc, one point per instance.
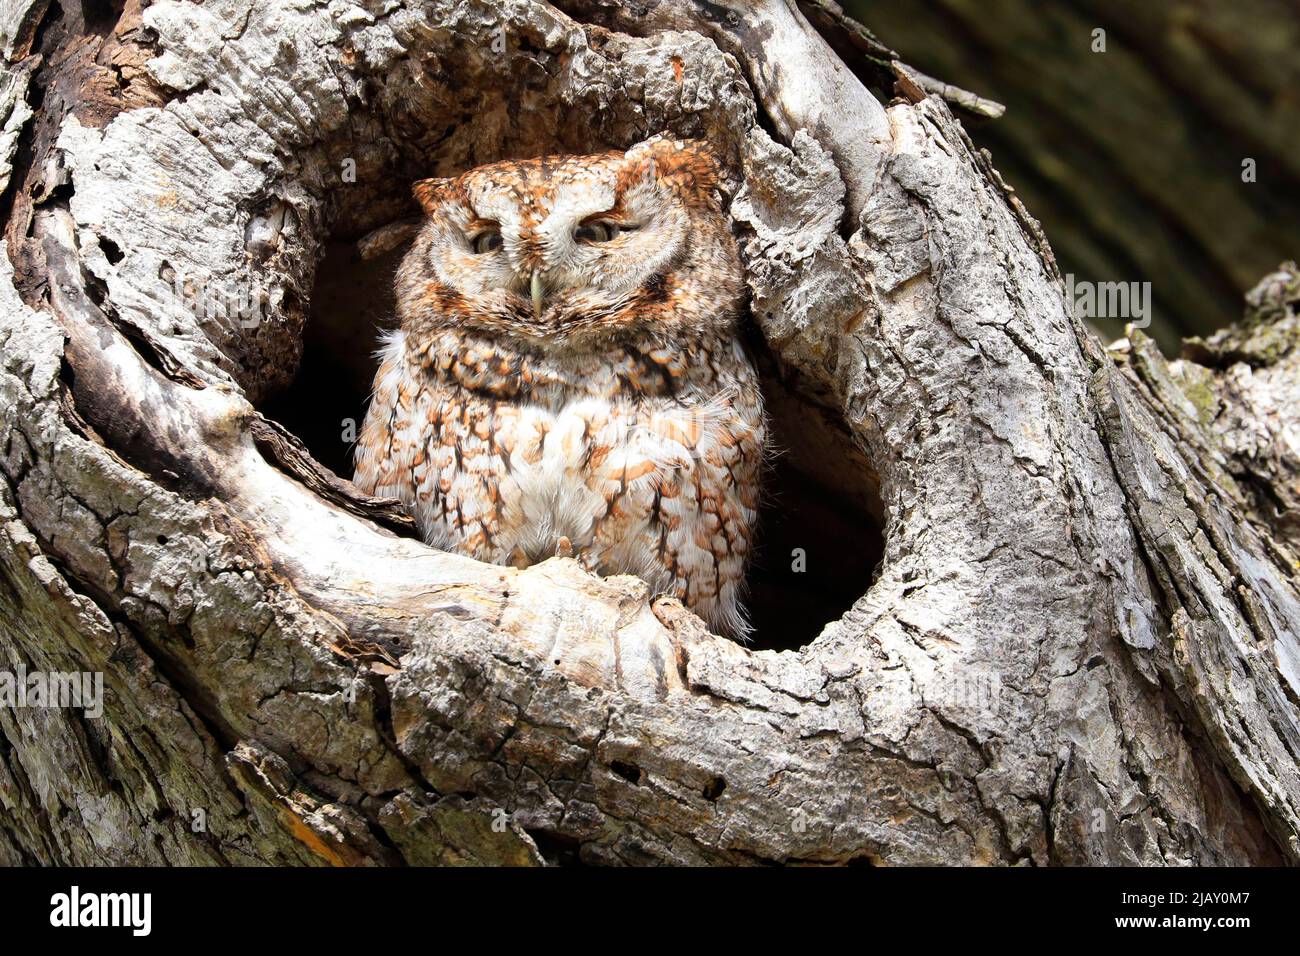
[[576, 261], [559, 251]]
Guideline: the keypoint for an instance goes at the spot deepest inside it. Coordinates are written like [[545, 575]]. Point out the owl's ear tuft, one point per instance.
[[704, 153], [429, 193], [692, 164], [706, 162]]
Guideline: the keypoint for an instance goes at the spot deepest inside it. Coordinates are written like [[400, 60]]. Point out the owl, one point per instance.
[[567, 375]]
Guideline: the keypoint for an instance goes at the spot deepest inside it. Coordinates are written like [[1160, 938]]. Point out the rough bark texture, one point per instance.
[[1080, 646]]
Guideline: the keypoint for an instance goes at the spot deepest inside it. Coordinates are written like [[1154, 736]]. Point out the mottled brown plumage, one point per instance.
[[567, 374]]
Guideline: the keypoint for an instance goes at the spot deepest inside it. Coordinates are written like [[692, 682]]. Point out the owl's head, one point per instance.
[[575, 249]]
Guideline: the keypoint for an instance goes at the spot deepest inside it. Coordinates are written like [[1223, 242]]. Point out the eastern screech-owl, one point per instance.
[[568, 367]]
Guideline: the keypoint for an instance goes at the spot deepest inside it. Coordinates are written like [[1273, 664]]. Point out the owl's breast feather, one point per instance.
[[660, 486]]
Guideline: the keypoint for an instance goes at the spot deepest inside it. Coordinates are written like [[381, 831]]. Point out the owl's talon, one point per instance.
[[564, 547]]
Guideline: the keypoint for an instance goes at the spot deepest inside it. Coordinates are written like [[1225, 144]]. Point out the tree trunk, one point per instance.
[[1079, 644]]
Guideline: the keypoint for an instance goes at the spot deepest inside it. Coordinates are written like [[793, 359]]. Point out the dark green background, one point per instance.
[[1132, 158]]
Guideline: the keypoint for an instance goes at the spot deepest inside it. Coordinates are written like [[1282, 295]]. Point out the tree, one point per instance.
[[1080, 644]]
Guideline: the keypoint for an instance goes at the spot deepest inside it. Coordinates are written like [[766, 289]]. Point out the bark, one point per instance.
[[1079, 645]]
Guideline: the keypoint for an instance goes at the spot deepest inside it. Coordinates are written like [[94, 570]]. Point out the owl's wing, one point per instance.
[[688, 475], [715, 501], [434, 447], [391, 440]]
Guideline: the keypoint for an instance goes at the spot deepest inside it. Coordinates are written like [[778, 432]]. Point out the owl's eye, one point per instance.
[[601, 230], [486, 241]]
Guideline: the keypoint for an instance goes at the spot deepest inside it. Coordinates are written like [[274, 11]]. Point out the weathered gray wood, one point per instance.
[[1079, 647]]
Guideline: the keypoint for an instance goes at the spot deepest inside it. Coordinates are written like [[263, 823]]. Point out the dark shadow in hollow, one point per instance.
[[351, 303], [820, 534]]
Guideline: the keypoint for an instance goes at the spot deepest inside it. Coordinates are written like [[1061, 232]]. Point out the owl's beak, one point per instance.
[[536, 289]]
